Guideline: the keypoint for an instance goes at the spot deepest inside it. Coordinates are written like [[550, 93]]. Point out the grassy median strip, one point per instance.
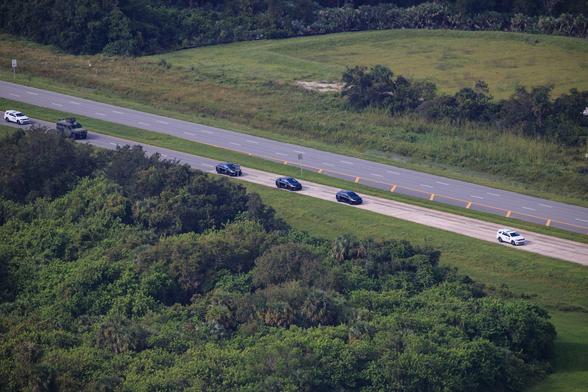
[[561, 287], [183, 145]]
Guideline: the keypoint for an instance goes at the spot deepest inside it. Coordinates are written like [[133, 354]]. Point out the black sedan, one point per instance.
[[288, 183], [229, 169], [348, 197]]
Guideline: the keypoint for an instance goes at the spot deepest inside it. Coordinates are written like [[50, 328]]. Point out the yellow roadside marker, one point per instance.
[[509, 213], [320, 171], [393, 189], [356, 180], [285, 162], [548, 223], [469, 205], [432, 197]]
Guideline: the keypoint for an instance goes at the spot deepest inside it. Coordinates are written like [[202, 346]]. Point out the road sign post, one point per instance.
[[13, 69], [300, 157]]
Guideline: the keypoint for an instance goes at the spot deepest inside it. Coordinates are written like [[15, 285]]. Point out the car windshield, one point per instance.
[[514, 234], [233, 166], [292, 181], [76, 125], [352, 195], [19, 114]]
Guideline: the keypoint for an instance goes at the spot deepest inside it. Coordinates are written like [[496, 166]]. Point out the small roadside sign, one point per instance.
[[13, 63], [13, 69]]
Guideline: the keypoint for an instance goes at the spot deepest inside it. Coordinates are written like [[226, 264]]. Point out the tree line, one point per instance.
[[533, 112], [136, 27], [122, 271]]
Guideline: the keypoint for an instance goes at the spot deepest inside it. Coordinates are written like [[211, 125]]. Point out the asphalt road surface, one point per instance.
[[537, 243], [377, 175]]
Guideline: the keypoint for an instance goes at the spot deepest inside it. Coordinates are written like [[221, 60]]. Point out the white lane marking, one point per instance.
[[74, 102], [328, 164], [189, 134], [15, 95], [545, 205], [205, 131], [347, 162], [376, 175], [392, 172], [528, 208], [235, 144], [492, 194], [281, 154], [251, 141], [114, 144], [441, 183], [161, 122], [117, 112], [476, 197], [207, 165], [32, 93], [425, 186], [100, 114], [299, 152], [56, 104], [163, 155], [143, 123], [582, 220]]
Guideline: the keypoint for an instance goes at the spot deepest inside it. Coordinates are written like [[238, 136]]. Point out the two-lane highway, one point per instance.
[[377, 175]]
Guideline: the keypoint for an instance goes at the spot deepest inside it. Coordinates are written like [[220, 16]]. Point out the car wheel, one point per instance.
[[500, 239], [513, 243], [6, 119]]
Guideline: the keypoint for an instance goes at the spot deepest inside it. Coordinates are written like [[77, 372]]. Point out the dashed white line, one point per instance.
[[281, 154], [425, 186], [476, 197], [15, 95], [32, 93], [392, 172], [143, 123], [161, 122], [56, 104], [492, 194], [441, 183], [163, 155], [582, 220], [117, 112], [347, 162], [100, 114], [189, 134], [114, 144], [235, 144], [545, 205], [328, 164], [205, 131], [376, 175], [528, 208], [251, 141], [299, 152], [74, 103]]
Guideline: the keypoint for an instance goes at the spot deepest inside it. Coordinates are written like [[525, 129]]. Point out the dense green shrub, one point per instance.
[[92, 297], [134, 27]]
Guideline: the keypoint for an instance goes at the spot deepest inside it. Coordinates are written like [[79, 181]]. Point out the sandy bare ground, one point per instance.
[[321, 87]]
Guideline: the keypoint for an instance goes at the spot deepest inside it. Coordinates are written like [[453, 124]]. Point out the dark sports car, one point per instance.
[[229, 169], [348, 197], [288, 183]]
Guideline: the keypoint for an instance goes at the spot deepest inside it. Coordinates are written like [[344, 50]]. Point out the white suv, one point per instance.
[[510, 236], [16, 117]]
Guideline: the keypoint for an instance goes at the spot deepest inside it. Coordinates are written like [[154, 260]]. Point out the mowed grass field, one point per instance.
[[249, 87], [560, 287], [451, 59]]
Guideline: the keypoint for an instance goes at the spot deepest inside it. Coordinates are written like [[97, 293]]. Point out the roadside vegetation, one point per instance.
[[125, 271], [253, 92]]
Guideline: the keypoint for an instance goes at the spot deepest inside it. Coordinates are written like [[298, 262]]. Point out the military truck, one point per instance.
[[69, 127]]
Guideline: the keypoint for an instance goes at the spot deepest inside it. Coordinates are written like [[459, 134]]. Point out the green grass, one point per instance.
[[174, 143], [451, 59], [6, 130], [560, 287], [247, 87]]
